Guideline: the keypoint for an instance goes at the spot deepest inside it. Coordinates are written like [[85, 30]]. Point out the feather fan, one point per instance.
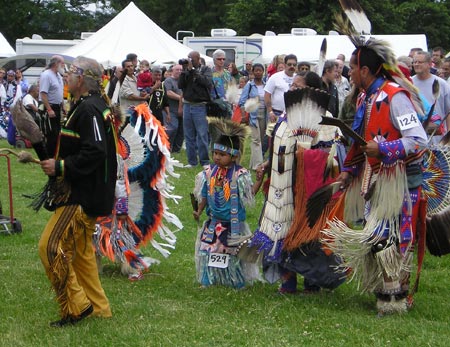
[[28, 128]]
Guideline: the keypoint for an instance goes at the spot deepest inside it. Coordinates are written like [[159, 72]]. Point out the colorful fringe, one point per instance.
[[310, 177]]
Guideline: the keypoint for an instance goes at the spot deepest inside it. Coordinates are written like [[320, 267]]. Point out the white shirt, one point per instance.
[[2, 93], [276, 86], [28, 100]]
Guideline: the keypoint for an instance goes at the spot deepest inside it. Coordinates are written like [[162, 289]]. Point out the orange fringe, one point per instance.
[[154, 228], [336, 212], [144, 111], [300, 233]]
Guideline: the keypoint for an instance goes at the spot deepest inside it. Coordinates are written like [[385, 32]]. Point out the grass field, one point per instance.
[[167, 308]]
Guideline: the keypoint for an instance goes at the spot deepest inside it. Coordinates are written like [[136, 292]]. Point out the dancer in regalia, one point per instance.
[[386, 174], [223, 189], [302, 162], [144, 163]]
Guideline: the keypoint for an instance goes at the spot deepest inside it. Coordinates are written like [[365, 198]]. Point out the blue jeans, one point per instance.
[[195, 126], [174, 130]]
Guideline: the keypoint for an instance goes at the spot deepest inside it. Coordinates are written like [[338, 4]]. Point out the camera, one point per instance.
[[183, 61]]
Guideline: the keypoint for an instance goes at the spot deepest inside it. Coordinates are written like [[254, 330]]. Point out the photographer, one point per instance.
[[196, 83]]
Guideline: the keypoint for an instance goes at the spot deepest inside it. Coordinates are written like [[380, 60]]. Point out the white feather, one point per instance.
[[232, 94], [251, 105], [360, 21], [322, 57]]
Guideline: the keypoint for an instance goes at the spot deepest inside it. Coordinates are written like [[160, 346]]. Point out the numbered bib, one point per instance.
[[219, 260], [408, 121]]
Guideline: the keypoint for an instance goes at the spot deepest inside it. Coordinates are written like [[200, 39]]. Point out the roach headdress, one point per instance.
[[232, 136], [357, 27]]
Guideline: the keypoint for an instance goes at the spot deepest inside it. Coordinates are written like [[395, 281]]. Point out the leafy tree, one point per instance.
[[57, 19]]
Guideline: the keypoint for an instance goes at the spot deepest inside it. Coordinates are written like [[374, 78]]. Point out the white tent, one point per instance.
[[5, 48], [131, 31]]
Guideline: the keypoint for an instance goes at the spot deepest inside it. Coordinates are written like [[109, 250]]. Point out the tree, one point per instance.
[[57, 19], [66, 19]]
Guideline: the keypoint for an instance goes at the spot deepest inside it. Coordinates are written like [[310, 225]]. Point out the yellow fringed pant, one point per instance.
[[66, 251]]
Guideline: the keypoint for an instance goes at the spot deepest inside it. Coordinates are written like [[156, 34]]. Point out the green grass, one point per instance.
[[168, 308]]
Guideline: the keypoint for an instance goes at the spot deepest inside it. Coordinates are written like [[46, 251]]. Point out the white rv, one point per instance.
[[238, 49], [303, 42], [36, 46]]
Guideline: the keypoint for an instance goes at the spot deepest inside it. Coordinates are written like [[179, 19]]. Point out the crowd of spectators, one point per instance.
[[176, 94]]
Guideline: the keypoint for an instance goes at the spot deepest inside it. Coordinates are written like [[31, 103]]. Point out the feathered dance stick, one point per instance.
[[22, 156], [346, 130]]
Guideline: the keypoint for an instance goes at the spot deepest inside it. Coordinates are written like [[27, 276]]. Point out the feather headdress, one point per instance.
[[230, 129], [357, 27]]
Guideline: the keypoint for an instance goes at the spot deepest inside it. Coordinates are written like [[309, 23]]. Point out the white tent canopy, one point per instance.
[[5, 48], [131, 31]]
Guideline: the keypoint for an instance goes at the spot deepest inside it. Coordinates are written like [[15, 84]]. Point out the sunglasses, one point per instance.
[[291, 64]]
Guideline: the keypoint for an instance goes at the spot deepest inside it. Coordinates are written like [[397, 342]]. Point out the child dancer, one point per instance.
[[224, 188]]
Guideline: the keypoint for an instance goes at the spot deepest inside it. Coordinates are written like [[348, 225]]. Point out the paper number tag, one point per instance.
[[219, 260], [408, 121]]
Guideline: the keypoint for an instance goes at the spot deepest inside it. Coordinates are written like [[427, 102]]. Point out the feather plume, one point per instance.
[[232, 93], [357, 16], [194, 202], [436, 91], [344, 27], [330, 163], [322, 57], [318, 200], [251, 105]]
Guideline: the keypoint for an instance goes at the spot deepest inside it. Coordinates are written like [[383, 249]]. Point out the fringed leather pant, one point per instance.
[[67, 253]]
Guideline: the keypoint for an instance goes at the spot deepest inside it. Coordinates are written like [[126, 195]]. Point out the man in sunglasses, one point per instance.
[[276, 86]]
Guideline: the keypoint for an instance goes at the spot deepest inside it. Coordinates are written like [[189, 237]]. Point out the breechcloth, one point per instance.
[[66, 251]]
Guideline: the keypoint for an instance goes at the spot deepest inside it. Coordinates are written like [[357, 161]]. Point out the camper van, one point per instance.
[[238, 49], [37, 45], [305, 43]]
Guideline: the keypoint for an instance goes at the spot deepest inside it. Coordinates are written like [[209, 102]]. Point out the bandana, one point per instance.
[[226, 149]]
